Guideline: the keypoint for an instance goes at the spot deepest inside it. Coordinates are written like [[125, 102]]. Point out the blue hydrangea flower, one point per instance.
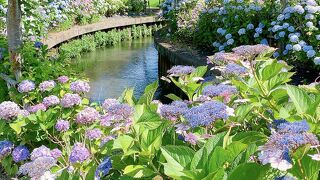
[[5, 148], [20, 153], [103, 168]]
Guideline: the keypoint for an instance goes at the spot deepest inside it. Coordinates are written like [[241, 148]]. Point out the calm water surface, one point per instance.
[[112, 69]]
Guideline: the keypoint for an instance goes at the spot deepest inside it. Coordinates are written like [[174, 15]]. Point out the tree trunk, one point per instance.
[[14, 34]]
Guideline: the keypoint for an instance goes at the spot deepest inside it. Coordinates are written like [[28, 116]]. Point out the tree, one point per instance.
[[14, 34]]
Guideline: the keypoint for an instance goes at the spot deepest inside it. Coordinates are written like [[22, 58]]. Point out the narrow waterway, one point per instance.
[[113, 69]]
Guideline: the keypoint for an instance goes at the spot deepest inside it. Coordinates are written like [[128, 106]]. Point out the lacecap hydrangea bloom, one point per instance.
[[47, 85], [109, 102], [62, 125], [235, 69], [222, 57], [20, 153], [51, 101], [5, 148], [285, 138], [174, 110], [219, 90], [26, 86], [70, 100], [87, 116], [207, 113], [79, 86], [180, 70], [9, 110], [120, 111], [251, 50], [79, 153]]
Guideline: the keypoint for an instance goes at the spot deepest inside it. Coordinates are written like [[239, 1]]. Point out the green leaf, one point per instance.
[[149, 92], [199, 72], [201, 157], [306, 168], [138, 171], [16, 126], [173, 97], [218, 158], [150, 120], [271, 70], [64, 175], [127, 96], [123, 142], [179, 156], [219, 174], [249, 171], [299, 98], [91, 173], [251, 137]]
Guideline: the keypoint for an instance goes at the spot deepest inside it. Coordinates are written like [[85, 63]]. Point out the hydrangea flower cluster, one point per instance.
[[180, 70], [93, 134], [103, 168], [87, 116], [20, 153], [26, 86], [252, 50], [36, 108], [79, 86], [42, 160], [222, 58], [286, 138], [79, 153], [235, 69], [51, 101], [63, 79], [47, 85], [219, 90], [174, 110], [62, 125], [70, 100], [9, 110], [5, 148], [205, 114]]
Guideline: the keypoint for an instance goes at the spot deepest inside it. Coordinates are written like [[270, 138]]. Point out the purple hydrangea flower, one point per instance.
[[252, 50], [106, 139], [26, 86], [235, 69], [62, 125], [219, 90], [51, 101], [109, 102], [87, 116], [36, 108], [63, 79], [79, 86], [120, 111], [180, 70], [70, 100], [206, 113], [9, 110], [79, 153], [222, 57], [38, 167], [20, 153], [103, 168], [24, 113], [47, 85], [5, 148], [56, 153], [191, 138], [174, 110], [93, 134], [41, 151], [287, 137]]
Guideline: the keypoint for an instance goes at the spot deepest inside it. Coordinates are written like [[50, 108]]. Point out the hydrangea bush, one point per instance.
[[223, 25], [246, 120]]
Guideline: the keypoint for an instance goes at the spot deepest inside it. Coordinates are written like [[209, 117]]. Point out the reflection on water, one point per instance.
[[112, 69]]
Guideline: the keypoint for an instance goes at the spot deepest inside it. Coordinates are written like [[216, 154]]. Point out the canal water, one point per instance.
[[113, 69]]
